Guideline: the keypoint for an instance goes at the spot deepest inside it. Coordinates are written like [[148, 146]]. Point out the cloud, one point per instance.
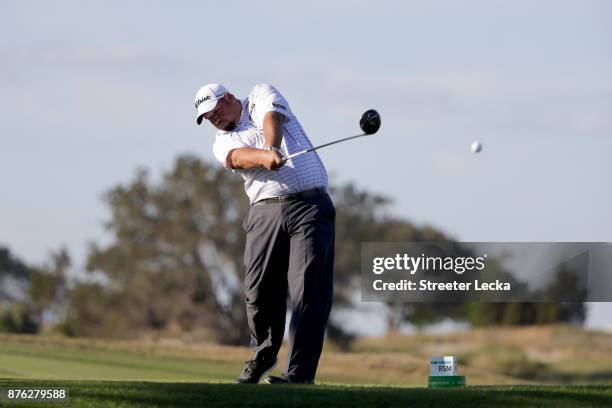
[[125, 60], [61, 84], [490, 102], [125, 78]]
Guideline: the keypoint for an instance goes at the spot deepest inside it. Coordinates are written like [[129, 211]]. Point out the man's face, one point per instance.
[[224, 115]]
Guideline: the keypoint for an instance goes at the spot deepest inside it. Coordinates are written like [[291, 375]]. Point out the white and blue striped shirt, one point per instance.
[[298, 174]]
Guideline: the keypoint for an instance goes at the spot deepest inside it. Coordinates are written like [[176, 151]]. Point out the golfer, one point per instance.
[[290, 227]]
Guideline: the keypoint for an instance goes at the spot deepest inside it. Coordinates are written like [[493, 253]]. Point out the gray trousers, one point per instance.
[[290, 248]]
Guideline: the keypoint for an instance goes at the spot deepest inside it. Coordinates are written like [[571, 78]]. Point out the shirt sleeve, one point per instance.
[[223, 145], [265, 98]]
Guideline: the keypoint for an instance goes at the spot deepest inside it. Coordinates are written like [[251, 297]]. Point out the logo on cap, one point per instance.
[[201, 100]]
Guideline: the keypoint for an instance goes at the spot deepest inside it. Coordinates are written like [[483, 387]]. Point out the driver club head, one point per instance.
[[370, 122]]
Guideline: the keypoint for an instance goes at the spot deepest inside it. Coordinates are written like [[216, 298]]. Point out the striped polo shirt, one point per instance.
[[298, 174]]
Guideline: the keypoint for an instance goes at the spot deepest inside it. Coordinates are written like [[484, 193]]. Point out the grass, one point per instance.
[[540, 366], [149, 394], [59, 362]]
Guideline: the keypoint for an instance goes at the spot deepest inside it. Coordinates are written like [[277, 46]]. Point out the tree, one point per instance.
[[14, 276], [362, 217], [548, 310], [28, 294], [15, 311], [176, 259], [47, 289], [176, 255]]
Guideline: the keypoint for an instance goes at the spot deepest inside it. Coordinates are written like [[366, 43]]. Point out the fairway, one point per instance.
[[150, 394], [386, 372], [53, 361], [530, 356]]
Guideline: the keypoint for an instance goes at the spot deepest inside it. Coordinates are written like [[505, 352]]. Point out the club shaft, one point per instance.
[[291, 156]]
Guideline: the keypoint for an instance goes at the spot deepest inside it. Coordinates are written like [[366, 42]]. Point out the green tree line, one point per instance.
[[175, 263]]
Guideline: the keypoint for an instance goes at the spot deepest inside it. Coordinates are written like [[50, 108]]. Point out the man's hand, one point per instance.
[[272, 160]]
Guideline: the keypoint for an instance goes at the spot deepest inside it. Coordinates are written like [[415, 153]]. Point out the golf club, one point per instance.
[[369, 123]]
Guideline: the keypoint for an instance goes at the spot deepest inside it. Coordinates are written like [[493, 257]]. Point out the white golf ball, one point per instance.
[[476, 147]]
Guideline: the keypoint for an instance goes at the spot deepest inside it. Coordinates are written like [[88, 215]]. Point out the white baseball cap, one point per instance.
[[206, 99]]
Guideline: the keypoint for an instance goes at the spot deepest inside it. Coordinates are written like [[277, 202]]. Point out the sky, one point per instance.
[[91, 91]]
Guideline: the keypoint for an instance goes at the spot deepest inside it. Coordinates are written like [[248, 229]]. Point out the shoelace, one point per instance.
[[250, 366]]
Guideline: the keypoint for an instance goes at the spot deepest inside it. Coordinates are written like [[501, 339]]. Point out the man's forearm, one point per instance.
[[248, 158]]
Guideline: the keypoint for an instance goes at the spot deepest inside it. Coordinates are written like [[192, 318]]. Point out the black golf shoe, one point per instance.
[[254, 370], [283, 379]]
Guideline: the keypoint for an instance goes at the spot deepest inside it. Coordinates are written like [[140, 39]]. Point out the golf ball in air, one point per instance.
[[476, 147]]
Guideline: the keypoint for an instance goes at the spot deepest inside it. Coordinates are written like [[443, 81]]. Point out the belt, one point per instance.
[[291, 197]]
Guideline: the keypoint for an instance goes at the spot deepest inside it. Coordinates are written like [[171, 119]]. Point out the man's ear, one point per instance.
[[232, 101]]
